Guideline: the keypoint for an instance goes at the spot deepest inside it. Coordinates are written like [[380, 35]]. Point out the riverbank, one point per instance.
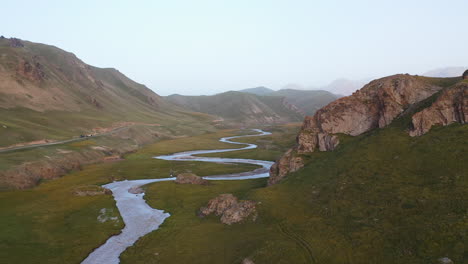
[[49, 224]]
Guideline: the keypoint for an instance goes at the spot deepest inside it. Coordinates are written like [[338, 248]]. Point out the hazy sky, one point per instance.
[[204, 47]]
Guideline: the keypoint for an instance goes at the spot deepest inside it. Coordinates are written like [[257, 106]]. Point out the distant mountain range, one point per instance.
[[307, 101], [241, 108], [446, 72]]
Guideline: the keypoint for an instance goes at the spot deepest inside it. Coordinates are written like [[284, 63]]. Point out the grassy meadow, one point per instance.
[[49, 224], [382, 197]]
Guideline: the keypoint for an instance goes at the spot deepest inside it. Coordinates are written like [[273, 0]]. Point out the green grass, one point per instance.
[[269, 147], [48, 224], [382, 197]]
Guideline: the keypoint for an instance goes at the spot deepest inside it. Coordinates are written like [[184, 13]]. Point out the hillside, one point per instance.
[[49, 101], [240, 108], [258, 90], [401, 205], [48, 93], [308, 101]]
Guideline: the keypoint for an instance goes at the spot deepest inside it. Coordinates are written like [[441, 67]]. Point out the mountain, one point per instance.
[[48, 93], [380, 176], [258, 90], [345, 86], [240, 108], [308, 101], [445, 72], [376, 105]]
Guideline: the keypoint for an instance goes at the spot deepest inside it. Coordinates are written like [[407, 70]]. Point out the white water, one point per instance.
[[140, 219]]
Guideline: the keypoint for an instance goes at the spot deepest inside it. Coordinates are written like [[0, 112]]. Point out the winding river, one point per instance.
[[140, 219]]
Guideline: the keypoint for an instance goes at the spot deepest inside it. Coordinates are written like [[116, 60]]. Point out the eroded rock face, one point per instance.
[[31, 70], [229, 208], [450, 107], [376, 105], [190, 178], [16, 43], [288, 163]]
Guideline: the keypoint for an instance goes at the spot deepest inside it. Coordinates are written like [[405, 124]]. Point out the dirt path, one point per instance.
[[299, 240], [8, 149]]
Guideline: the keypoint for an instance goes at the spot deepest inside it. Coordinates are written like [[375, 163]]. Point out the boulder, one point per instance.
[[219, 204], [190, 178], [445, 260], [136, 190], [91, 190], [229, 208], [238, 212], [247, 261], [465, 75]]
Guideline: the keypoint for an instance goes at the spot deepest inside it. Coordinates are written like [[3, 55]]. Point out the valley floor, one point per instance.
[[382, 197]]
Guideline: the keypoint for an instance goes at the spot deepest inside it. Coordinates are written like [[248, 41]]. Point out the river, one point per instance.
[[140, 219]]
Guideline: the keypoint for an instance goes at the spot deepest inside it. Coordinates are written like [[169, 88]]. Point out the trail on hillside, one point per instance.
[[140, 219]]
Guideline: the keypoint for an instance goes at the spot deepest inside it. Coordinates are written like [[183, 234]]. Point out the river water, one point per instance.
[[140, 219]]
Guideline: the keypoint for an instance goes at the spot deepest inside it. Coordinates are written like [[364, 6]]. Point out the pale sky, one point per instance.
[[206, 47]]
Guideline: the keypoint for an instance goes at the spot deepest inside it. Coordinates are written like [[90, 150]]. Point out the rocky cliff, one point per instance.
[[376, 105], [450, 107]]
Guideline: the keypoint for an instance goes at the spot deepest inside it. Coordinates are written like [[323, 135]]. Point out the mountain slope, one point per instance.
[[240, 108], [258, 90], [365, 180], [48, 93], [376, 105], [308, 101]]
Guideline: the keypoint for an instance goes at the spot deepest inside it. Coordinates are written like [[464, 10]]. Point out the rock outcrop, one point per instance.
[[16, 43], [288, 163], [91, 190], [465, 75], [376, 105], [450, 107], [31, 70], [190, 178], [229, 208], [136, 190]]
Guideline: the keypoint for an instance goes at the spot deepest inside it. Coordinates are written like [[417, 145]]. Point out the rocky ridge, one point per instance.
[[450, 107], [376, 105]]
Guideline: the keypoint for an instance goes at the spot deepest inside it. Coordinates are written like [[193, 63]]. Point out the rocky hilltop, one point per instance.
[[376, 105], [450, 107]]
